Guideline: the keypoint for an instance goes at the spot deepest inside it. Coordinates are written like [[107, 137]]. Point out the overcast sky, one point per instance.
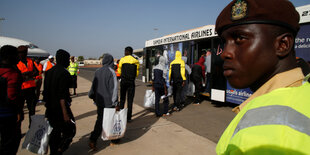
[[91, 27]]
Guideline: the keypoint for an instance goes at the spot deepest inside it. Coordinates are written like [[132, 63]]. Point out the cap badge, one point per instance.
[[239, 10]]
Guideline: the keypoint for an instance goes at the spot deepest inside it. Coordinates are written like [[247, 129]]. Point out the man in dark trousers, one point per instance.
[[129, 70], [159, 75], [103, 91], [11, 104], [29, 73], [57, 97], [198, 76], [177, 79]]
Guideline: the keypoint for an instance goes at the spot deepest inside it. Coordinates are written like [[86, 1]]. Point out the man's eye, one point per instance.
[[239, 38]]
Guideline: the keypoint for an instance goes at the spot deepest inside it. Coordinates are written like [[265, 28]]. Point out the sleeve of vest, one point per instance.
[[44, 66], [137, 63], [224, 141], [119, 70], [183, 71], [170, 71]]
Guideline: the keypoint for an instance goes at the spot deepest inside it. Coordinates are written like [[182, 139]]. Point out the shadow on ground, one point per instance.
[[135, 129]]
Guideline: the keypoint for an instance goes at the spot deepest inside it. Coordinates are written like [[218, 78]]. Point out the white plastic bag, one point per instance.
[[191, 89], [149, 99], [37, 137], [114, 123]]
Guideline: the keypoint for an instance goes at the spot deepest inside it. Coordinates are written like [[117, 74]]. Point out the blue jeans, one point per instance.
[[208, 84]]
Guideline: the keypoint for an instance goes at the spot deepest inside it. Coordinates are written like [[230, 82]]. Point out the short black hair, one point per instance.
[[62, 57], [129, 50], [204, 51], [22, 49], [7, 52]]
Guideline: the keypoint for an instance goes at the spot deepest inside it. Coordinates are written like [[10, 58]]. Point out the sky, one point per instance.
[[90, 28]]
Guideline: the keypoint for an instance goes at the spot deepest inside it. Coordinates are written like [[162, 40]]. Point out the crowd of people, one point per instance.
[[21, 80], [180, 74]]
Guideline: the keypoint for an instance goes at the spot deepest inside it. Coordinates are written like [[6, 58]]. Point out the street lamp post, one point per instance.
[[155, 30], [1, 19]]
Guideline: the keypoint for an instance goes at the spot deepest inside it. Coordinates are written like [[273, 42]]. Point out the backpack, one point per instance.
[[3, 91]]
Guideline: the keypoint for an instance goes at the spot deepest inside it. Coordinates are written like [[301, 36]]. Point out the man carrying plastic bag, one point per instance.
[[104, 92], [37, 137], [58, 101]]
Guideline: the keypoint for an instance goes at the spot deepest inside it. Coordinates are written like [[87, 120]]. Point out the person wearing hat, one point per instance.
[[259, 53], [49, 64]]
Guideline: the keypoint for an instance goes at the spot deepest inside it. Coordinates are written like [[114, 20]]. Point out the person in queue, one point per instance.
[[128, 68], [258, 38], [104, 92], [11, 104], [177, 79], [58, 101], [159, 75]]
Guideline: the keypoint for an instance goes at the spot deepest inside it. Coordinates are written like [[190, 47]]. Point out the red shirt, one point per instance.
[[15, 80]]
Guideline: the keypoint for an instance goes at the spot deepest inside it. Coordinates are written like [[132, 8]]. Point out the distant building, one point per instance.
[[92, 62]]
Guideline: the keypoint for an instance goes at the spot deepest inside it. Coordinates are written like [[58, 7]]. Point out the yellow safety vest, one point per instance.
[[73, 68], [274, 123]]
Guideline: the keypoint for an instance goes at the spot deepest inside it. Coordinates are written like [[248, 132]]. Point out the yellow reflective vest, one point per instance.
[[178, 60], [73, 68], [274, 123]]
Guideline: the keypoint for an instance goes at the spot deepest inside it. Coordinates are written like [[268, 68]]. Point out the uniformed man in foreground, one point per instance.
[[259, 53]]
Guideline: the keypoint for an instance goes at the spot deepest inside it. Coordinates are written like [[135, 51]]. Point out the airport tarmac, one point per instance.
[[194, 130]]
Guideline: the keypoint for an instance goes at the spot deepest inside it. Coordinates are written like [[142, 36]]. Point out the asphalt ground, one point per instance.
[[209, 119]]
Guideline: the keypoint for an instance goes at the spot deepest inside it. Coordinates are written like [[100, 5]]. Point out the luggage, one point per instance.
[[114, 124], [149, 99], [37, 137]]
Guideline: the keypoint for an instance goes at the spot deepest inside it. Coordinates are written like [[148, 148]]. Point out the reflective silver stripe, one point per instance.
[[275, 115]]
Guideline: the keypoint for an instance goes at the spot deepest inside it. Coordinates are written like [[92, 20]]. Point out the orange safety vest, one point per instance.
[[116, 72], [24, 69], [48, 66], [40, 69]]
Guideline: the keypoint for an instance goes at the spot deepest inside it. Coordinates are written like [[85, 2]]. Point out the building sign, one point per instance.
[[302, 42], [237, 96], [198, 33]]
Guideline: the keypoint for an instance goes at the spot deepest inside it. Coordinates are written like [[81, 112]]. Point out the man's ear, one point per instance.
[[284, 44]]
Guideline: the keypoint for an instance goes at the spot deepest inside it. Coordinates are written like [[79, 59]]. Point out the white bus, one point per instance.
[[191, 43]]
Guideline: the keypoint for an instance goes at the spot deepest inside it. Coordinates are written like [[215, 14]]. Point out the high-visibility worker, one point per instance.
[[49, 64], [73, 69], [39, 77], [116, 70], [274, 123], [29, 72], [259, 53]]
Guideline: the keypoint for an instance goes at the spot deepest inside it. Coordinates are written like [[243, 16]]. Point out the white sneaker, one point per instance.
[[167, 114]]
